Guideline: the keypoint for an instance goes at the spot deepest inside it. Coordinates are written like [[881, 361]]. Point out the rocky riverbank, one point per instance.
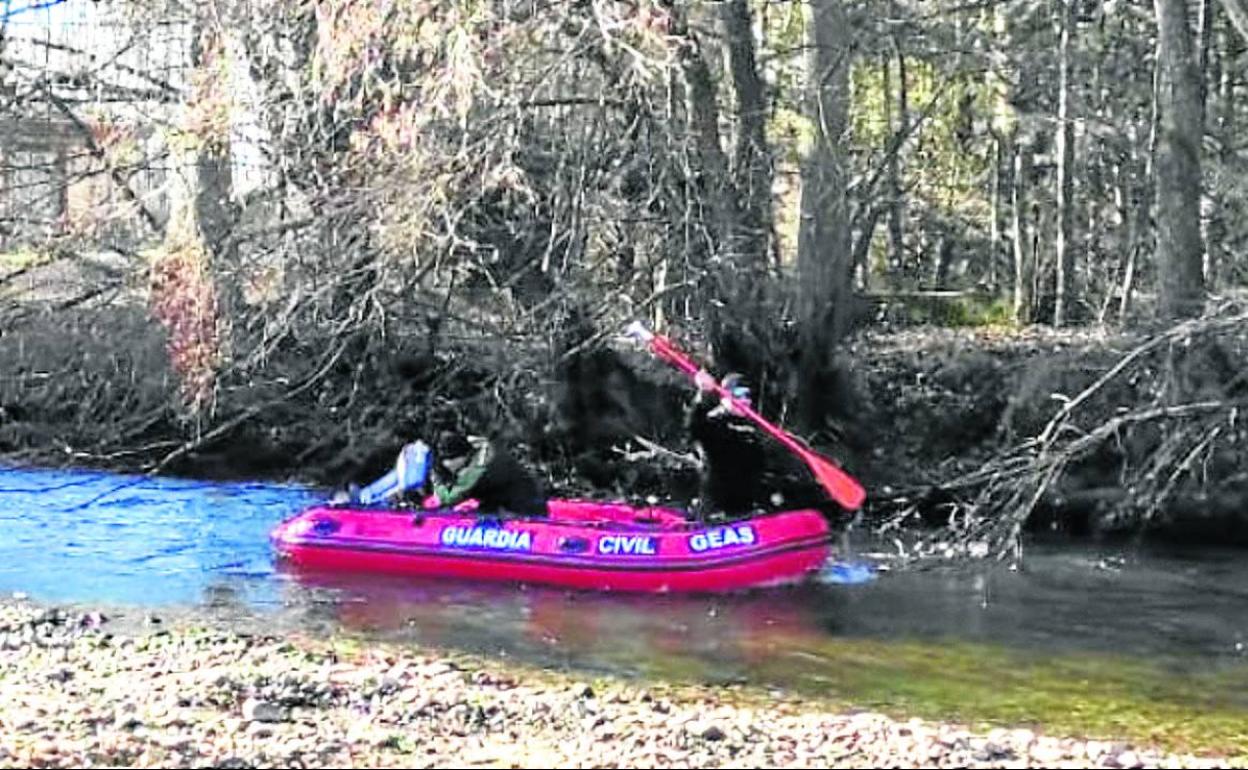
[[77, 690]]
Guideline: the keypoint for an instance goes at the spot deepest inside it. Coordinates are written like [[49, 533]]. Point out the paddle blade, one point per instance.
[[843, 489]]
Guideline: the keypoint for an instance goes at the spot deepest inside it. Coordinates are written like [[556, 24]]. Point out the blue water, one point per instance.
[[78, 536], [106, 539], [85, 536]]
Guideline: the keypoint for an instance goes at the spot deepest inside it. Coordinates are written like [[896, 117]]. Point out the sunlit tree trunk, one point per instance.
[[1024, 256], [994, 235], [1065, 173], [897, 201]]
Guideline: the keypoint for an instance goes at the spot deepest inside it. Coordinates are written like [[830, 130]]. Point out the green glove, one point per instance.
[[457, 490]]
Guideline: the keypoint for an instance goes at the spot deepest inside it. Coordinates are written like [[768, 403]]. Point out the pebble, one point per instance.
[[255, 710], [164, 698], [712, 733], [993, 751], [259, 730], [1047, 752], [1097, 749]]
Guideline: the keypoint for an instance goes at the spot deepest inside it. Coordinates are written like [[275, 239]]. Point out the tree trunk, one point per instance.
[[681, 254], [1122, 209], [1145, 190], [824, 260], [1024, 258], [944, 259], [897, 201], [1204, 35], [1215, 238], [994, 237], [1178, 181], [1065, 174], [1037, 271], [1128, 281], [1094, 193], [201, 183], [731, 288], [703, 111], [752, 174]]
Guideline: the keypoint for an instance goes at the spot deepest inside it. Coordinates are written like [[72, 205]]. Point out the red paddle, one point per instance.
[[842, 487]]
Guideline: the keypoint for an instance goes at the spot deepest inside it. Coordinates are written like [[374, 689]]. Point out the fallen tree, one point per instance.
[[1154, 437]]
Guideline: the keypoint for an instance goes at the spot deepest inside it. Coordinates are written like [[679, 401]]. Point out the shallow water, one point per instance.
[[158, 542], [103, 537], [169, 544]]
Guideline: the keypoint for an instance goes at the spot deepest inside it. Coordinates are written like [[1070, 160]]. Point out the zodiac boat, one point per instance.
[[580, 544]]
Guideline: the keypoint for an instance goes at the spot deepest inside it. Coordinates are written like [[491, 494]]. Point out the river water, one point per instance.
[[170, 545]]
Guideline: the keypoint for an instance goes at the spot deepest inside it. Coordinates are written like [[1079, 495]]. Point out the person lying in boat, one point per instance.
[[411, 470], [461, 470], [482, 470]]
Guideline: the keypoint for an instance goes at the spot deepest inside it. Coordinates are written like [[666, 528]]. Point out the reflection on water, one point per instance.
[[607, 632], [104, 538]]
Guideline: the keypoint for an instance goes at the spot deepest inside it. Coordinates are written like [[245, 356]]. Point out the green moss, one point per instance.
[[1084, 695], [23, 258], [981, 310], [982, 686], [967, 310]]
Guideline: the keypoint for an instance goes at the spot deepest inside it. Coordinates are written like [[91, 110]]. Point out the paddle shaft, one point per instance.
[[843, 488]]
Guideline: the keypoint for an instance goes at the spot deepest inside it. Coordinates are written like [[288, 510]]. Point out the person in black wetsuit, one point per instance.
[[484, 472], [732, 456], [742, 471]]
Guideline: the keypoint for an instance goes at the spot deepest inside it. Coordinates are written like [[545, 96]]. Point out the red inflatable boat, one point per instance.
[[582, 544]]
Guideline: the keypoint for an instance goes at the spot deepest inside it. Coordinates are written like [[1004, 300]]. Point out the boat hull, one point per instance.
[[582, 545]]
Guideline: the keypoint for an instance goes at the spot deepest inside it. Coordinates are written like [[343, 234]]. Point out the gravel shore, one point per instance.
[[77, 692]]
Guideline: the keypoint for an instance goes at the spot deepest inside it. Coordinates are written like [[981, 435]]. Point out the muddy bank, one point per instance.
[[94, 388], [1140, 427], [81, 691], [918, 410]]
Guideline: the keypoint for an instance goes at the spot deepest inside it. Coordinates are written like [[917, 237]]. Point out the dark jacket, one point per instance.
[[744, 471], [732, 456], [497, 481]]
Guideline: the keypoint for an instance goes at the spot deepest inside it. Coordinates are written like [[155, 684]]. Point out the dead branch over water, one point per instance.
[[1157, 430]]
